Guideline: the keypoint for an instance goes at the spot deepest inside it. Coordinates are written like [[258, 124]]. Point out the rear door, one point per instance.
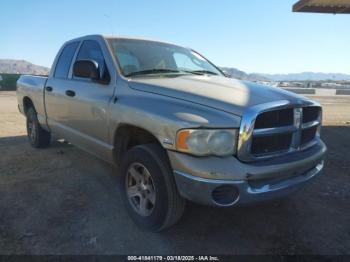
[[56, 101]]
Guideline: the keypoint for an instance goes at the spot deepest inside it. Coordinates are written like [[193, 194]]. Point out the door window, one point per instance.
[[91, 50], [65, 60]]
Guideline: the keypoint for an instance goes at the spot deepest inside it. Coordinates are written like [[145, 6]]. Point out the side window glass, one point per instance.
[[65, 60], [91, 50]]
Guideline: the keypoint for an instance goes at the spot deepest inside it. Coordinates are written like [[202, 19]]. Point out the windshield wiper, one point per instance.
[[165, 70], [202, 72], [153, 71]]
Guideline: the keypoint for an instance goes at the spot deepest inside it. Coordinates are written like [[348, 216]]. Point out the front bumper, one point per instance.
[[202, 180]]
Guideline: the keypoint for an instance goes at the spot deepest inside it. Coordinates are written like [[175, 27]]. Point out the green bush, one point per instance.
[[8, 82]]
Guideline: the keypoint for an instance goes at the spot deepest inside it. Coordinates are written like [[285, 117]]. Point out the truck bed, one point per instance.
[[32, 87]]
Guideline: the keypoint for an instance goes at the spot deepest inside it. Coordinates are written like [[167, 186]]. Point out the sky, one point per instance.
[[262, 36]]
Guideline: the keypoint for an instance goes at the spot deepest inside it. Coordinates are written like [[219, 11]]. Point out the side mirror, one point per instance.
[[226, 74], [86, 69]]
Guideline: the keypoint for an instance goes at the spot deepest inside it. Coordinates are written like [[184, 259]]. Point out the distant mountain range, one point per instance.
[[235, 73], [11, 66], [305, 76]]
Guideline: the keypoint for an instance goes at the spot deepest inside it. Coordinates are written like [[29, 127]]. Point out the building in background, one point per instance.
[[323, 6]]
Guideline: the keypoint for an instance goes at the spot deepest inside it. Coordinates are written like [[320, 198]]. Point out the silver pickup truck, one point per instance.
[[174, 124]]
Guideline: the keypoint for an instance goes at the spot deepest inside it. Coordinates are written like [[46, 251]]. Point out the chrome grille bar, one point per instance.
[[310, 124], [298, 118], [274, 130]]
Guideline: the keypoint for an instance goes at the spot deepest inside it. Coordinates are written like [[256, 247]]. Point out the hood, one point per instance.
[[218, 92]]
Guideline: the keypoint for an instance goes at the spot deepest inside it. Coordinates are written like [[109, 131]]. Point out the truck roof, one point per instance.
[[116, 37]]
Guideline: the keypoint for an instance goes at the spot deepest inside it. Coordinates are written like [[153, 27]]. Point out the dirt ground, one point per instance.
[[61, 200]]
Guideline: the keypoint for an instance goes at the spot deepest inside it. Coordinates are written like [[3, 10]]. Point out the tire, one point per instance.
[[164, 205], [38, 137]]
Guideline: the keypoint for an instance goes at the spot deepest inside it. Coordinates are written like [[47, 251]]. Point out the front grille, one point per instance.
[[307, 135], [268, 144], [310, 113], [276, 118], [283, 130]]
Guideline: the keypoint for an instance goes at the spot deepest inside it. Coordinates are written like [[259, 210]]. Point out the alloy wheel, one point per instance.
[[140, 189]]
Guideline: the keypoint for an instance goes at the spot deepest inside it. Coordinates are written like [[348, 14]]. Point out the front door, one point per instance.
[[88, 104]]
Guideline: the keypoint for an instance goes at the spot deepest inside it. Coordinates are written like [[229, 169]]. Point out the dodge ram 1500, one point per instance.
[[174, 124]]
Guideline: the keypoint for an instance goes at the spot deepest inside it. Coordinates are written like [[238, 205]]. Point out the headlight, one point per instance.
[[204, 142]]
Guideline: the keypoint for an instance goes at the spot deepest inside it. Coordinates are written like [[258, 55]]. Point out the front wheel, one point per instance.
[[38, 137], [149, 190]]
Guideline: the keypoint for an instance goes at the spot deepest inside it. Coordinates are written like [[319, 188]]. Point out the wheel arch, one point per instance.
[[127, 136], [27, 103]]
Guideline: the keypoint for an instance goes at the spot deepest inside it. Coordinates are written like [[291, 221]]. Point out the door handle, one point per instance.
[[48, 89], [70, 93]]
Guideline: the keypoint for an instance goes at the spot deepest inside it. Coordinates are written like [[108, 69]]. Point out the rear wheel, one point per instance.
[[149, 188], [38, 137]]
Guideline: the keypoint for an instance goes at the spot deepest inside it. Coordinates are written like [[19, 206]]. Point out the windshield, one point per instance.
[[141, 57]]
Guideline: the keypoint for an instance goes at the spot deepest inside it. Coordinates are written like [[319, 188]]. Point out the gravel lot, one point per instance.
[[61, 200]]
